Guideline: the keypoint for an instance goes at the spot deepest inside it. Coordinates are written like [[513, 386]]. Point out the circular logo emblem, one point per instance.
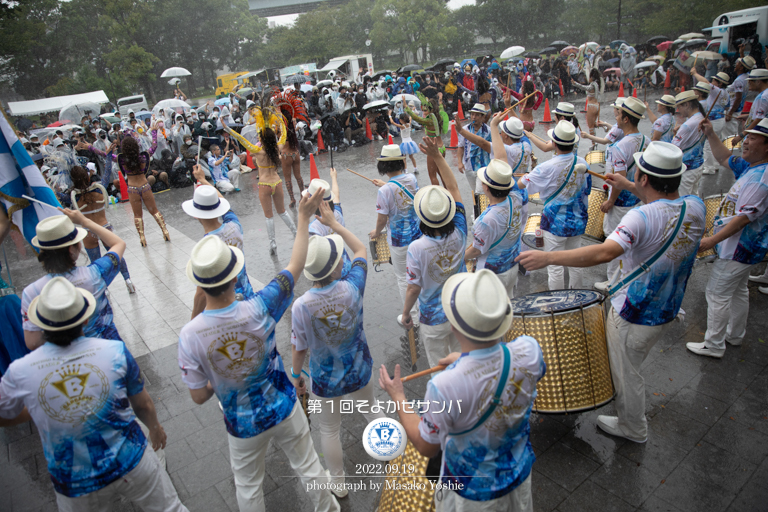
[[73, 392], [384, 439], [235, 355]]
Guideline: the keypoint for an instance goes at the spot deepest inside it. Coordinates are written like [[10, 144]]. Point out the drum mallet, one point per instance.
[[365, 178]]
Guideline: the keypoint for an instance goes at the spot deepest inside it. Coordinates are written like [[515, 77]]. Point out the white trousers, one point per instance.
[[718, 126], [727, 303], [399, 256], [610, 223], [439, 341], [519, 500], [228, 186], [471, 177], [628, 346], [557, 273], [147, 485], [160, 453], [689, 183], [329, 419], [292, 436], [509, 280]]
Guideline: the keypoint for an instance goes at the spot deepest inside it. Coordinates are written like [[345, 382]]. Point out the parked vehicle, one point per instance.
[[226, 82], [729, 27], [135, 103]]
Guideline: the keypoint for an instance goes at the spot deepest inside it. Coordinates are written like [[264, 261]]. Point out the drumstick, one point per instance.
[[713, 104], [542, 140], [522, 100], [429, 371], [365, 178], [38, 201]]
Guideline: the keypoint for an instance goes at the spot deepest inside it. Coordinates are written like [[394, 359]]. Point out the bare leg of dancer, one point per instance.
[[286, 164], [265, 198], [297, 174], [149, 201]]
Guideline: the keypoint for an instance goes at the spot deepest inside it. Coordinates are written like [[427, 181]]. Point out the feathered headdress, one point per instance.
[[290, 101], [264, 115]]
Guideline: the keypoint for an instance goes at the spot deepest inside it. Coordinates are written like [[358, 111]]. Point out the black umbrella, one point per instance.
[[295, 79], [656, 40], [548, 50], [23, 124], [443, 61], [382, 73], [559, 44], [409, 68], [531, 55]]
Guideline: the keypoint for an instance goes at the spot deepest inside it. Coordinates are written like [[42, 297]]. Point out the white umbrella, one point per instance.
[[592, 45], [408, 98], [704, 55], [375, 104], [306, 87], [691, 35], [75, 111], [512, 51], [174, 81], [646, 64], [175, 72], [177, 106]]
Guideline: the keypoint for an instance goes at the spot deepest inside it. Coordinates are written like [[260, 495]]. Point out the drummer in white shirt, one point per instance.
[[654, 274], [564, 187], [690, 140]]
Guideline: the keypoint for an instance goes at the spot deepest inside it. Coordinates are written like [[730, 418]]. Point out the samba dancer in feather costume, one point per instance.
[[292, 107], [435, 123]]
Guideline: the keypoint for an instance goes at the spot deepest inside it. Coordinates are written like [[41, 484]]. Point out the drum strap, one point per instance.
[[646, 266], [496, 401], [509, 225], [522, 157], [407, 192], [565, 182], [640, 150]]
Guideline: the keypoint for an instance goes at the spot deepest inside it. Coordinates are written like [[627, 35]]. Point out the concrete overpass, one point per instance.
[[265, 8]]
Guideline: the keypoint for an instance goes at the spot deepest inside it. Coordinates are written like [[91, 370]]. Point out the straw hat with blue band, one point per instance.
[[213, 262], [564, 133], [661, 159], [61, 306], [477, 305], [723, 78], [565, 109], [512, 127], [667, 100], [760, 129], [323, 256], [633, 107], [317, 184], [758, 74], [704, 87], [57, 232], [434, 206], [685, 96], [498, 175]]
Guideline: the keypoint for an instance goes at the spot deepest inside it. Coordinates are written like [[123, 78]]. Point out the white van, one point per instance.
[[135, 103], [727, 28], [348, 66]]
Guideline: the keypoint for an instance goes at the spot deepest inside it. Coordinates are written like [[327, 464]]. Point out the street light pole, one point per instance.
[[112, 85], [618, 22]]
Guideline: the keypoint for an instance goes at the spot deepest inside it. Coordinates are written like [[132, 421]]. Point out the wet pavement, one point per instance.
[[708, 419]]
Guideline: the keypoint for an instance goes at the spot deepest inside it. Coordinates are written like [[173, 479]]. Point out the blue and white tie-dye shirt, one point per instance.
[[395, 203], [494, 459], [231, 233], [718, 102], [431, 261], [234, 349], [496, 234], [318, 228], [691, 141], [329, 322], [621, 159], [78, 398], [654, 298], [475, 157], [519, 159], [739, 84], [664, 125], [566, 214], [747, 197], [95, 278], [759, 109]]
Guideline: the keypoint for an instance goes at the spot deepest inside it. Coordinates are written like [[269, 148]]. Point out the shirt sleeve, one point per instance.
[[761, 107], [278, 294], [481, 236], [431, 423], [25, 300], [412, 268], [382, 203], [754, 200], [628, 231], [460, 218], [134, 382], [682, 133], [107, 266], [737, 164], [535, 181], [191, 370], [618, 159], [11, 397], [357, 274], [230, 216], [298, 333]]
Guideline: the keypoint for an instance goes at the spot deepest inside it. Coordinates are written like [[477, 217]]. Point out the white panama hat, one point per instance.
[[633, 107], [667, 100], [213, 262], [315, 185], [704, 87], [497, 174], [563, 133], [685, 96], [661, 159], [323, 255], [477, 305], [512, 127], [390, 152], [758, 74], [564, 108], [760, 129], [205, 204], [57, 232], [61, 306], [434, 206], [478, 108]]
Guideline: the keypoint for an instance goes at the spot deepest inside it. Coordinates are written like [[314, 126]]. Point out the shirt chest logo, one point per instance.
[[234, 355], [334, 323], [73, 392]]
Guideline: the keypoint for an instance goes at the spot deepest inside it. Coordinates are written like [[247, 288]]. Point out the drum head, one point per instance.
[[529, 235], [595, 157], [554, 301]]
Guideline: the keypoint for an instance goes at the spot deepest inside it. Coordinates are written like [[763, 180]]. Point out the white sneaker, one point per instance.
[[339, 493], [610, 425], [702, 350], [709, 171], [762, 279], [602, 286], [763, 290]]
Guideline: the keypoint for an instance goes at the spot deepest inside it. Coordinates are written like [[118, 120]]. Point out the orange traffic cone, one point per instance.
[[668, 81], [454, 138], [547, 114], [634, 93], [461, 112], [320, 143], [249, 160], [313, 174], [368, 132], [123, 188], [562, 93], [682, 89], [621, 90], [390, 141]]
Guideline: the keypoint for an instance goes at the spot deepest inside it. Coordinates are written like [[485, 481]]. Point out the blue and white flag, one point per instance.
[[20, 176]]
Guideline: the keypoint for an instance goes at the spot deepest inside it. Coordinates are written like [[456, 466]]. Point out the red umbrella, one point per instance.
[[59, 123], [612, 70], [663, 46], [569, 50]]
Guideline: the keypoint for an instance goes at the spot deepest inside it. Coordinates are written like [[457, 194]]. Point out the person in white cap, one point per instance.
[[486, 455], [620, 160], [84, 394], [394, 210], [327, 322], [333, 198], [563, 112], [758, 82], [738, 91], [690, 140], [717, 102], [471, 156], [230, 350], [435, 257], [656, 262], [740, 237], [58, 239], [564, 187], [496, 232], [663, 124], [508, 138], [208, 206]]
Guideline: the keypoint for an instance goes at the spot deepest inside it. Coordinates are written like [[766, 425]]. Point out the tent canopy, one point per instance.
[[334, 64], [41, 106]]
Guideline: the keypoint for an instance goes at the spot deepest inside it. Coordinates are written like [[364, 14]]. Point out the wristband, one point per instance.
[[294, 375]]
